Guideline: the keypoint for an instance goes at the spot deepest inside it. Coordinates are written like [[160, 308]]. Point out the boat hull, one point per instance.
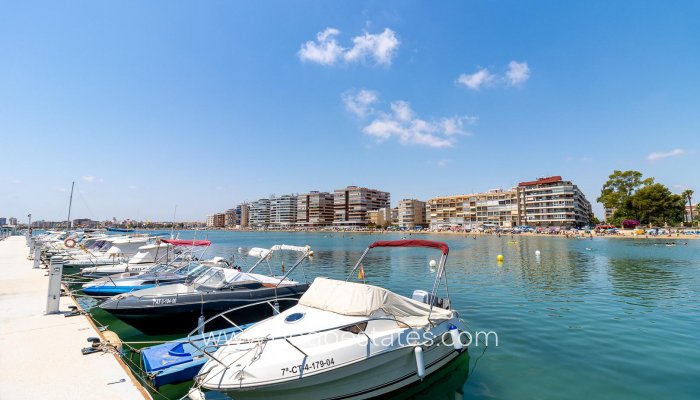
[[373, 377], [180, 313]]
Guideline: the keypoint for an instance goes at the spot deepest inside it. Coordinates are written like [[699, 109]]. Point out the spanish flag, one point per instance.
[[361, 273]]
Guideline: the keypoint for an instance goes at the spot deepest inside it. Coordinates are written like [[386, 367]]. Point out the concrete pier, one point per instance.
[[41, 356]]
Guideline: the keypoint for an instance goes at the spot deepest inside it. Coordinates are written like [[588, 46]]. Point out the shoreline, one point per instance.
[[621, 235]]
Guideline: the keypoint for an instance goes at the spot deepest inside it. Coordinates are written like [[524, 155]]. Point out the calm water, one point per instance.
[[602, 318]]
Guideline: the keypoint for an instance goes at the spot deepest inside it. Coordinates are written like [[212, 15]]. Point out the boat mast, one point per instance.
[[172, 228], [70, 205]]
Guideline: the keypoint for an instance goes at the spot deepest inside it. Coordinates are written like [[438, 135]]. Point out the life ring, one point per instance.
[[70, 243]]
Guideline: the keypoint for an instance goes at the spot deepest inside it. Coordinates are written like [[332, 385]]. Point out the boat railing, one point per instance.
[[274, 304]]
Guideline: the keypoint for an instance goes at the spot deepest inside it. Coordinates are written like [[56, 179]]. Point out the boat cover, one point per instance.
[[258, 252], [357, 299]]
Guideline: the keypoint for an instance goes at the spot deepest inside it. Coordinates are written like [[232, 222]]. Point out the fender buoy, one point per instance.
[[70, 243]]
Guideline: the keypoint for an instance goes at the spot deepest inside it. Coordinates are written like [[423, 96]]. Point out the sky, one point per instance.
[[149, 106]]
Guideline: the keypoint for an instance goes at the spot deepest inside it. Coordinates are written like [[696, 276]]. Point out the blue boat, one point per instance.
[[181, 360]]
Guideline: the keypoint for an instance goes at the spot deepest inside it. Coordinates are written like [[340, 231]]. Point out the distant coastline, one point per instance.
[[620, 235]]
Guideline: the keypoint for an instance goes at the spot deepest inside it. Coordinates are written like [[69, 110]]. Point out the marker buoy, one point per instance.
[[537, 253], [499, 258]]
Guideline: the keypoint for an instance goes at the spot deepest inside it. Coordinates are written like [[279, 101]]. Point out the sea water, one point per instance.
[[602, 318]]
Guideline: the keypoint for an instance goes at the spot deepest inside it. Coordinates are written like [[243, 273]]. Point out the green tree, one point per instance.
[[656, 204], [688, 195], [617, 191]]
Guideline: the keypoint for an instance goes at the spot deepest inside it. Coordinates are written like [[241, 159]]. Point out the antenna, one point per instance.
[[70, 205]]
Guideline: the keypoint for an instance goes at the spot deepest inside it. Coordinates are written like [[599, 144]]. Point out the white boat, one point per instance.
[[342, 340], [163, 251]]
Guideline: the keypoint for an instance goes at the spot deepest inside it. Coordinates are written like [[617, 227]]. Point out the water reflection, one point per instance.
[[642, 279], [446, 383]]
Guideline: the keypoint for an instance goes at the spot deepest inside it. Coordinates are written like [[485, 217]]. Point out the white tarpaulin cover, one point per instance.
[[301, 249], [258, 252], [357, 299]]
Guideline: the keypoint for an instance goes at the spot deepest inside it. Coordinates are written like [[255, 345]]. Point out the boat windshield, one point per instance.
[[191, 269], [213, 278], [160, 268]]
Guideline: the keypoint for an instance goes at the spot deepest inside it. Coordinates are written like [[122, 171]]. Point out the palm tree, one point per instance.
[[688, 194]]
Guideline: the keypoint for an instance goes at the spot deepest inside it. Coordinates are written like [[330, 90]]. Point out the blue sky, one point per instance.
[[204, 105]]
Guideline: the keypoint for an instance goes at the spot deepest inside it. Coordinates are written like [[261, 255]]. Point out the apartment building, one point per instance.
[[315, 209], [411, 213], [351, 205], [260, 214], [493, 209], [217, 220], [243, 210], [230, 218], [553, 202], [283, 211]]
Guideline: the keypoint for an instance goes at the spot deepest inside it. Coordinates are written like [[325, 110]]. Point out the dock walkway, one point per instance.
[[41, 356]]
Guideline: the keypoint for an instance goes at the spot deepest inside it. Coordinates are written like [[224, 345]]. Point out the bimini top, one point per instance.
[[179, 242], [357, 299], [259, 252], [412, 243]]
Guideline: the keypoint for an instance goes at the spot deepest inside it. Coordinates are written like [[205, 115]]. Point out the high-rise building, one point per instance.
[[283, 211], [260, 214], [245, 215], [210, 221], [352, 203], [315, 209], [3, 221], [230, 218], [492, 209], [553, 202], [411, 213], [13, 221], [219, 220]]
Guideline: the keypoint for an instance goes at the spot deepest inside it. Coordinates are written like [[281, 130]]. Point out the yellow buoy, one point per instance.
[[499, 258]]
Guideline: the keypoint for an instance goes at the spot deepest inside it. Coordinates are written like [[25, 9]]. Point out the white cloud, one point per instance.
[[325, 50], [476, 80], [132, 187], [360, 102], [62, 190], [517, 73], [219, 188], [455, 125], [403, 124], [91, 179], [380, 47], [662, 155]]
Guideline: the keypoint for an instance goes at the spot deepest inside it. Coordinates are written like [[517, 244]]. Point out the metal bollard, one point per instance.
[[54, 297], [32, 245], [37, 257]]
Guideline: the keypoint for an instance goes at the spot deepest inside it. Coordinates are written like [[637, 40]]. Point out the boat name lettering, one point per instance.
[[311, 366], [167, 300]]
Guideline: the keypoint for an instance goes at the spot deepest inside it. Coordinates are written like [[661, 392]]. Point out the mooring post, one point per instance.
[[54, 297], [37, 257]]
